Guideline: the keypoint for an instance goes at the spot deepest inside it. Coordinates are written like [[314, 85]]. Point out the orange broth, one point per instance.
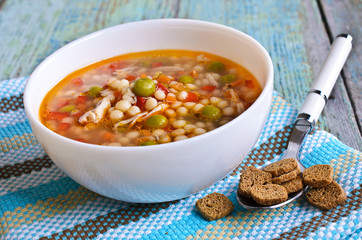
[[149, 98]]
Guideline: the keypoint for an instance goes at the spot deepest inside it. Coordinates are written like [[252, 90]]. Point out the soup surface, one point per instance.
[[149, 98]]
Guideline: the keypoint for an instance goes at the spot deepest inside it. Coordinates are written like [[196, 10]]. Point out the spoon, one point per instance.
[[310, 111]]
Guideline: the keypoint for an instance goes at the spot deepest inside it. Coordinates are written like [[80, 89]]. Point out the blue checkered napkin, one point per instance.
[[37, 200]]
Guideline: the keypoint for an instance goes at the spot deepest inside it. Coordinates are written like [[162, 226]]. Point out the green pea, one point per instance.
[[67, 108], [146, 63], [185, 79], [156, 121], [148, 143], [144, 87], [216, 66], [228, 78], [211, 112], [94, 91]]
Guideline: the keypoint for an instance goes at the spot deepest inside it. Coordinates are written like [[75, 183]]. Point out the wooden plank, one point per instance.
[[30, 32], [297, 42], [338, 116], [344, 16]]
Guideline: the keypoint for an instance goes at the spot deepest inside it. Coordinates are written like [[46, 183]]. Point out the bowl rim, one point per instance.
[[35, 118]]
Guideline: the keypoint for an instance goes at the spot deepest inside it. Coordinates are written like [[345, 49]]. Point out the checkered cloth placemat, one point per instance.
[[37, 200]]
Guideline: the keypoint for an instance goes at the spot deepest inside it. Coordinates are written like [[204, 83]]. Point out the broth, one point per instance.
[[149, 98]]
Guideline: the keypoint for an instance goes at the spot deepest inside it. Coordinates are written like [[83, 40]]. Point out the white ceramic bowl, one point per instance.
[[161, 172]]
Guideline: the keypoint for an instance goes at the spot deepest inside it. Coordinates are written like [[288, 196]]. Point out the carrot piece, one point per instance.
[[194, 74], [143, 75], [170, 98], [209, 88], [237, 83], [108, 137], [164, 79]]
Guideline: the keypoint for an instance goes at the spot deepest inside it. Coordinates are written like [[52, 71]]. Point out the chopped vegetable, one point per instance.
[[94, 91], [209, 88], [163, 88], [144, 87], [67, 108], [211, 112], [228, 78], [63, 126], [58, 116], [164, 79], [191, 97], [156, 64], [157, 121], [216, 66], [148, 143], [81, 99], [77, 81], [185, 79]]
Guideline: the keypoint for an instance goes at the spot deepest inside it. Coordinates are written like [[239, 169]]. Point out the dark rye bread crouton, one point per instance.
[[327, 197], [287, 176], [319, 175], [293, 185], [281, 167], [269, 194], [214, 206], [250, 177]]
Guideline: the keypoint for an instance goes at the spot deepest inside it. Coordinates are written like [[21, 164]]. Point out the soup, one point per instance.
[[149, 98]]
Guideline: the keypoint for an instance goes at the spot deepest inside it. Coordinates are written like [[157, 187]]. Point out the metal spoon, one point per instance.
[[310, 111]]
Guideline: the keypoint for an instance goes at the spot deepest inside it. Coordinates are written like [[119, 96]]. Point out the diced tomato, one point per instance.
[[63, 126], [249, 83], [141, 103], [80, 140], [77, 81], [62, 102], [81, 107], [78, 114], [192, 97], [118, 95], [131, 77], [209, 88], [58, 116], [117, 65], [162, 87], [156, 64], [164, 79], [81, 99]]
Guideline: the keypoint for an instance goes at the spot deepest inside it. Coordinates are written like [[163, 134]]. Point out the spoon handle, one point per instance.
[[323, 84]]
